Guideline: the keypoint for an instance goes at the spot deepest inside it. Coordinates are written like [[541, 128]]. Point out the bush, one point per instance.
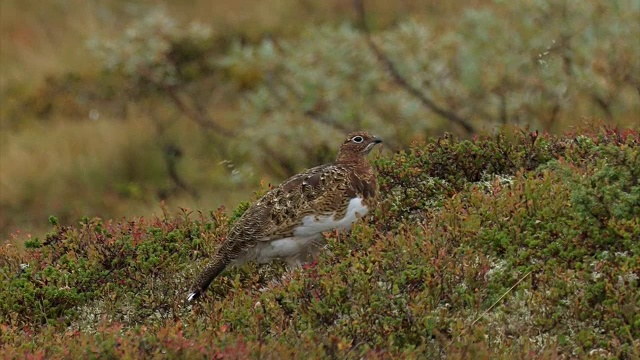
[[514, 245], [538, 64], [530, 63]]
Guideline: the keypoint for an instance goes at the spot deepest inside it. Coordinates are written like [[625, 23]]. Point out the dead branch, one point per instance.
[[171, 154], [196, 113]]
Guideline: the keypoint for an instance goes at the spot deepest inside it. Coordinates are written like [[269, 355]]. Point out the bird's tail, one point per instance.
[[210, 272]]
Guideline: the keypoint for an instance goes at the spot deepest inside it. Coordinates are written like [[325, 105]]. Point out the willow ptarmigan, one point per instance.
[[287, 222]]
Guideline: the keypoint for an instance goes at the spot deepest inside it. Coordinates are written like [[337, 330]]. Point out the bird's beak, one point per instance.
[[371, 145]]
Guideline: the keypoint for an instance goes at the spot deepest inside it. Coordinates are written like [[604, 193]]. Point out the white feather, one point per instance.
[[282, 248], [305, 237], [293, 250], [314, 225]]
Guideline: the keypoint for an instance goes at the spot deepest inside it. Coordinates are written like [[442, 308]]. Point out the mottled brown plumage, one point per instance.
[[288, 221]]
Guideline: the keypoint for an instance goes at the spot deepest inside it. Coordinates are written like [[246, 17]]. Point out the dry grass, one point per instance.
[[47, 166], [41, 39], [104, 168]]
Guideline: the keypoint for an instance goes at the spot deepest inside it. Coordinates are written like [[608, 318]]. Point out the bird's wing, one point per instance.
[[320, 190]]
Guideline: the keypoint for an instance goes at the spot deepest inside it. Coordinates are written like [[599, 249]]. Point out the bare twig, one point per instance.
[[555, 110], [195, 113], [274, 160], [319, 117], [504, 116], [199, 116], [604, 105], [171, 154], [400, 80], [501, 297]]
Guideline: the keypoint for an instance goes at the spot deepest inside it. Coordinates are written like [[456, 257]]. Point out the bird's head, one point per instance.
[[356, 146]]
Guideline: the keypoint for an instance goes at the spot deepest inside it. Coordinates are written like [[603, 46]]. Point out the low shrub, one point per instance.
[[516, 245]]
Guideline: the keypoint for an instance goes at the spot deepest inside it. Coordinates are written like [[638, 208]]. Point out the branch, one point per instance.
[[603, 104], [286, 168], [171, 154], [319, 116], [504, 116], [197, 113], [401, 81]]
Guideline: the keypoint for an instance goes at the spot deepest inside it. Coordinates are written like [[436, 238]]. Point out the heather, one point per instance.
[[513, 245]]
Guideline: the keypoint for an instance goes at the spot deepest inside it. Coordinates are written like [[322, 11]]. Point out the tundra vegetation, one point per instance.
[[509, 216]]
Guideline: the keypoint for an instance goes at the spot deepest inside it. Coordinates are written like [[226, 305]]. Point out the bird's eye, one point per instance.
[[357, 139]]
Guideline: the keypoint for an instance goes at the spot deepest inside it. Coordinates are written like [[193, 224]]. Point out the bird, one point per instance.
[[287, 222]]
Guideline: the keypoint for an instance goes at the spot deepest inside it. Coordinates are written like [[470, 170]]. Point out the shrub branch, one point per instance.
[[195, 113], [400, 80]]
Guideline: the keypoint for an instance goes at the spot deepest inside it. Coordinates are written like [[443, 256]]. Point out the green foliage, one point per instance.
[[276, 103], [420, 176], [459, 223], [53, 220], [238, 211], [536, 63], [108, 261], [607, 196], [156, 50]]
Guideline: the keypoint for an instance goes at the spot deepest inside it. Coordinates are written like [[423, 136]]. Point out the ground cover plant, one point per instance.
[[513, 245], [127, 123]]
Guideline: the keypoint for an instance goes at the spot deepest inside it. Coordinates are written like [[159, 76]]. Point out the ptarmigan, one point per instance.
[[288, 221]]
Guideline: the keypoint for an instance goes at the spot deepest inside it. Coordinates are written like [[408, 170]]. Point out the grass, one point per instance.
[[59, 168]]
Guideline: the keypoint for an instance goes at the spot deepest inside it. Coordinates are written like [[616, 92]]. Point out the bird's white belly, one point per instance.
[[313, 225], [286, 248], [307, 238]]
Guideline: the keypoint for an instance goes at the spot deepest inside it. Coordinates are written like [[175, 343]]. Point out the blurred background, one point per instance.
[[110, 108]]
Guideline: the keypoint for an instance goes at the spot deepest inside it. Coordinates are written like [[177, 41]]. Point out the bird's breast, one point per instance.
[[316, 224]]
